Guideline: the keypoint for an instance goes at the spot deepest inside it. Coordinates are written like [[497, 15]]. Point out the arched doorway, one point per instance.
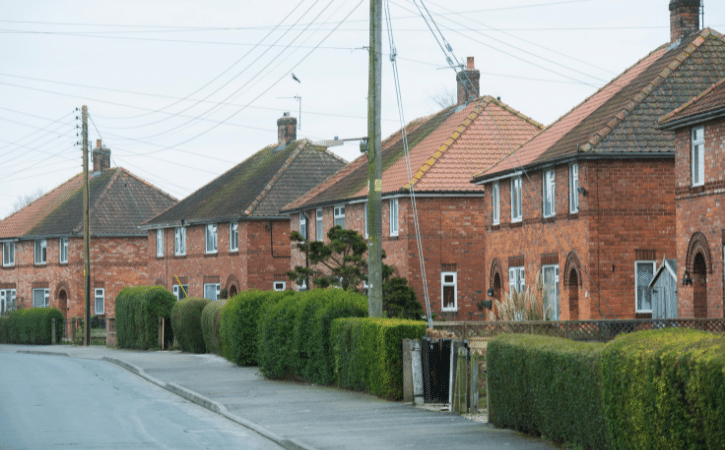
[[63, 302], [232, 291], [573, 295], [699, 286]]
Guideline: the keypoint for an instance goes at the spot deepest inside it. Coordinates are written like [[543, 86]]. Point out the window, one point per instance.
[[517, 280], [644, 272], [303, 225], [160, 242], [8, 254], [100, 301], [549, 191], [180, 291], [698, 156], [551, 288], [233, 236], [212, 290], [41, 251], [280, 285], [340, 216], [41, 298], [7, 301], [574, 188], [63, 250], [365, 207], [318, 225], [210, 238], [516, 199], [180, 241], [302, 286], [449, 291], [393, 217], [495, 203]]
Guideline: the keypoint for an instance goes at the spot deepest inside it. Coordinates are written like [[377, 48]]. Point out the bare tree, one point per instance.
[[24, 200], [444, 98]]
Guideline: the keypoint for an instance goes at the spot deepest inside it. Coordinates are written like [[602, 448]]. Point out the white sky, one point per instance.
[[180, 91]]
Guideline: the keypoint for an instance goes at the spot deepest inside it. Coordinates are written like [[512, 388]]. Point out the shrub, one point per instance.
[[34, 326], [368, 353], [211, 318], [186, 323], [4, 332], [137, 311], [275, 339]]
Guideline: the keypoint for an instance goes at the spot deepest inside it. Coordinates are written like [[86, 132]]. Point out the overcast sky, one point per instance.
[[181, 91]]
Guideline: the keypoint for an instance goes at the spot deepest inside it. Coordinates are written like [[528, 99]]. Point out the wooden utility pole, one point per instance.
[[86, 230], [375, 184]]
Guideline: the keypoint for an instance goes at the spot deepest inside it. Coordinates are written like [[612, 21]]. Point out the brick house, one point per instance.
[[42, 243], [446, 149], [230, 234], [699, 127], [593, 205]]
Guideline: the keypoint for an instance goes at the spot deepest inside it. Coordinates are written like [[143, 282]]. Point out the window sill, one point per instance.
[[9, 266], [41, 264], [573, 215], [211, 254], [449, 310], [236, 250], [180, 256], [518, 224], [393, 238]]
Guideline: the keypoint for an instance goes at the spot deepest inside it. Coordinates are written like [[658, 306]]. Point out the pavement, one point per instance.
[[299, 416]]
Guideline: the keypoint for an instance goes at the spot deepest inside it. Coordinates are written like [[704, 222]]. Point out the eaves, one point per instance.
[[692, 120]]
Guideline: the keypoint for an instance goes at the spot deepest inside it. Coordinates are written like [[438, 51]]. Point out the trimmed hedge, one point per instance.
[[137, 311], [4, 332], [186, 323], [34, 326], [368, 353], [211, 318]]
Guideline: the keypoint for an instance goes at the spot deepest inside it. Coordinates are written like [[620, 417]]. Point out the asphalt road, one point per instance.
[[49, 402]]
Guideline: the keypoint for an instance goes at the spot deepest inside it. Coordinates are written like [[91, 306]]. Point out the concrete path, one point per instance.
[[297, 415]]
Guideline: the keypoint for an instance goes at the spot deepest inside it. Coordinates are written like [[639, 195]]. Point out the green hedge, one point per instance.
[[137, 311], [211, 318], [368, 353], [34, 326], [4, 332], [665, 389], [186, 323]]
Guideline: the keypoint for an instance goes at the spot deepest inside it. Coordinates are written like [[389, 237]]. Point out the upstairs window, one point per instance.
[[574, 188], [211, 241], [496, 206], [160, 242], [233, 236], [319, 231], [303, 225], [394, 217], [549, 193], [180, 241], [41, 251], [698, 156], [99, 301], [8, 254], [516, 199], [340, 216]]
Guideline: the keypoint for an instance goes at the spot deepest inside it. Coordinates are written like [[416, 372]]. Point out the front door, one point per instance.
[[551, 291]]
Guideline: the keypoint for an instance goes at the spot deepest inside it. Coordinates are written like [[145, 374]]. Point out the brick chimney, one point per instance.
[[286, 129], [467, 83], [684, 18], [101, 157]]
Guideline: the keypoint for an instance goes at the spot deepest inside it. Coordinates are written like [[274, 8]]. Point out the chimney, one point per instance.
[[684, 18], [101, 157], [467, 82], [286, 129]]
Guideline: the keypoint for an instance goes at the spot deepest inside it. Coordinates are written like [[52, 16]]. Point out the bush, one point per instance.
[[275, 339], [4, 332], [186, 323], [368, 353], [137, 311], [34, 326], [211, 319]]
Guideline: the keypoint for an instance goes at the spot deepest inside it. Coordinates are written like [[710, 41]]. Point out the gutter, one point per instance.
[[391, 195], [692, 120]]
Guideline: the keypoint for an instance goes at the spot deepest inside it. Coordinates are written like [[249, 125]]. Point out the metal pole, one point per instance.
[[375, 185], [86, 231]]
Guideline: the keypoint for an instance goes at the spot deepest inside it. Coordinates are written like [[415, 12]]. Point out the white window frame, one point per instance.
[[160, 242], [216, 287], [279, 285], [319, 227], [63, 250], [303, 225], [7, 301], [553, 305], [393, 217], [339, 215], [99, 293], [573, 188], [697, 156], [8, 254], [41, 251], [445, 284], [516, 199], [365, 208], [46, 298], [517, 279], [180, 241], [210, 238], [549, 197], [496, 203], [233, 236], [302, 286], [636, 286], [175, 289]]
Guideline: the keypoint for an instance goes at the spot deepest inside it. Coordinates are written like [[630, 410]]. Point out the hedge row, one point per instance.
[[653, 389], [186, 323], [211, 318], [137, 313], [368, 353], [4, 332], [32, 326]]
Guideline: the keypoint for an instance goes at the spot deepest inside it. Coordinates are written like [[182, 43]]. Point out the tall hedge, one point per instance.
[[275, 337], [4, 332], [368, 353], [186, 323], [137, 311], [34, 326], [211, 318]]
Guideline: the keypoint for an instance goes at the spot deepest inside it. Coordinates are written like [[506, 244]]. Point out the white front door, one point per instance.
[[551, 290]]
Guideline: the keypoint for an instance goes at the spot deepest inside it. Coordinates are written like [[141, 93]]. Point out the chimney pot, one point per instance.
[[469, 63], [98, 143], [286, 129], [684, 18], [101, 157], [467, 82]]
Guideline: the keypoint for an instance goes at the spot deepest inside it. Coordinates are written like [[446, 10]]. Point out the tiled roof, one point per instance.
[[709, 101], [257, 187], [446, 149], [119, 203], [620, 118]]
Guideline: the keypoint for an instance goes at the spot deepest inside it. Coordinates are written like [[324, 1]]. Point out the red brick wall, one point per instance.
[[700, 210]]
